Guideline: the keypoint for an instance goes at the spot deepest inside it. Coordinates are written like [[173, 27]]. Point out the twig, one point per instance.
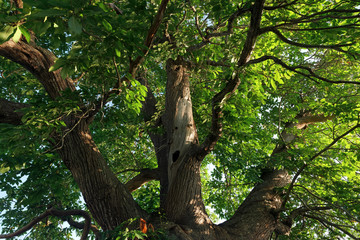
[[340, 227], [56, 213], [312, 158]]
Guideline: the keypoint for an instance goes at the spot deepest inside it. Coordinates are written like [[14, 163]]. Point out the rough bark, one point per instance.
[[106, 197], [177, 149], [183, 201], [38, 61], [257, 217]]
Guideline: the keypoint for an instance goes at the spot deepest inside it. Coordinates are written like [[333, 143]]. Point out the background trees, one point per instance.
[[250, 108]]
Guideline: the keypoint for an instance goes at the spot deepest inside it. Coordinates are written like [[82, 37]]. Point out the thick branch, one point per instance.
[[9, 112], [311, 75], [233, 83], [57, 213], [38, 61], [143, 177]]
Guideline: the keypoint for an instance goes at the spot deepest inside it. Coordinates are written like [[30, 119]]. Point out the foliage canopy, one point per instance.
[[295, 106]]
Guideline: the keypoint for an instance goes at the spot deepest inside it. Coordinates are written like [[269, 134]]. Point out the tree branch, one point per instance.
[[333, 206], [9, 112], [38, 61], [270, 8], [312, 158], [233, 83], [133, 64], [315, 17], [355, 26], [143, 177], [150, 37], [209, 35], [311, 75], [56, 213], [81, 225], [336, 47], [326, 222]]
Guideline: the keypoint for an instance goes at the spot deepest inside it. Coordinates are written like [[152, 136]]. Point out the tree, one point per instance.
[[178, 113]]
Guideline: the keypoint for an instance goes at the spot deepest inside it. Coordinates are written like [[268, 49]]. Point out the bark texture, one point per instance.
[[107, 198], [178, 151]]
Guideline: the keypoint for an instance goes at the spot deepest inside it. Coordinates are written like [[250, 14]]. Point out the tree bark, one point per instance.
[[178, 153], [258, 216], [38, 61], [107, 198]]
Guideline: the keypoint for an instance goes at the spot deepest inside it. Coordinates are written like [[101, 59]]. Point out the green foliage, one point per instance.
[[94, 47], [129, 230]]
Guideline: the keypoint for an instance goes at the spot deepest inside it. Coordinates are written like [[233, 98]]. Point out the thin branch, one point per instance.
[[197, 23], [117, 73], [336, 47], [335, 206], [150, 37], [230, 22], [181, 21], [136, 63], [300, 211], [314, 157], [81, 225], [326, 222], [355, 26], [56, 213], [310, 18], [311, 75], [279, 6], [230, 27], [315, 17]]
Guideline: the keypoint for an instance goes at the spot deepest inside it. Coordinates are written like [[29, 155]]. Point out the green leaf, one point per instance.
[[26, 33], [117, 52], [17, 35], [6, 32], [74, 26], [58, 64], [273, 84], [107, 25]]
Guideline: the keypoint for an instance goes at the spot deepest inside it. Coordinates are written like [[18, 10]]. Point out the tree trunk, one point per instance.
[[179, 160], [108, 200]]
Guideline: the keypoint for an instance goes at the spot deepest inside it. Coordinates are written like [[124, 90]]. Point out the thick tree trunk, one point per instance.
[[108, 200], [178, 152]]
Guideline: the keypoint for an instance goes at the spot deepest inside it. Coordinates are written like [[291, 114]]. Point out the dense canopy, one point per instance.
[[210, 119]]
